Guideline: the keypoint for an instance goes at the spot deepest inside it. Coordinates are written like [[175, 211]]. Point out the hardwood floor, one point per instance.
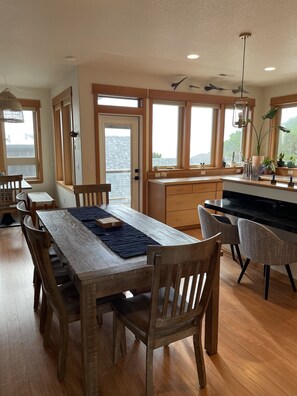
[[257, 340]]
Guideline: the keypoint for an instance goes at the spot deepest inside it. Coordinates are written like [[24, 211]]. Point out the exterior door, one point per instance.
[[119, 158]]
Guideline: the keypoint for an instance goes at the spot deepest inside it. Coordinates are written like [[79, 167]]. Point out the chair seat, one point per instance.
[[71, 299], [136, 311]]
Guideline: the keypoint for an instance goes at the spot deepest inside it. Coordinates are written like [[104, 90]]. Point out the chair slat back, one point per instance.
[[40, 242], [23, 212], [91, 194], [182, 281], [10, 187]]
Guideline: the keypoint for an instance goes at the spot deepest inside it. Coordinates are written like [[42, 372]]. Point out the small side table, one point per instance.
[[39, 200]]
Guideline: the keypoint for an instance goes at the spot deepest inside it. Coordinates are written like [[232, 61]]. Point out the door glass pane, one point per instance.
[[201, 135], [165, 135], [232, 151], [288, 141], [19, 138], [118, 163]]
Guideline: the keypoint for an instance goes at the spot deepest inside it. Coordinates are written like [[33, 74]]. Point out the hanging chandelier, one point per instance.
[[10, 108], [241, 105]]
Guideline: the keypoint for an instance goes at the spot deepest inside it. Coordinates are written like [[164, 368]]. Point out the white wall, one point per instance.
[[81, 80], [88, 76]]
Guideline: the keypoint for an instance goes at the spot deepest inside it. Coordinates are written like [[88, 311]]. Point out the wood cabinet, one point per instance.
[[175, 202]]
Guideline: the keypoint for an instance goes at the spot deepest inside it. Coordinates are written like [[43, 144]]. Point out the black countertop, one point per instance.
[[271, 212]]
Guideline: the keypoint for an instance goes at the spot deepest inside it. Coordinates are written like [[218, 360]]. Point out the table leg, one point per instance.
[[212, 316], [89, 339]]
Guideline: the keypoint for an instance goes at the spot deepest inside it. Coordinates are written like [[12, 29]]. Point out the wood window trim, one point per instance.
[[33, 105], [194, 99], [63, 121], [278, 101], [125, 92]]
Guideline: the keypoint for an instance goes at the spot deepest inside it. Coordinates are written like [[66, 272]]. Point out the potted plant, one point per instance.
[[269, 166], [291, 162], [262, 133], [280, 161]]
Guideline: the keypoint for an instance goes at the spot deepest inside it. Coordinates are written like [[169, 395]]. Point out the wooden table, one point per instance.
[[39, 200], [98, 272]]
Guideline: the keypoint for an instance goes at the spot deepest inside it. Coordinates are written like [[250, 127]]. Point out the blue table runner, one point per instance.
[[126, 240]]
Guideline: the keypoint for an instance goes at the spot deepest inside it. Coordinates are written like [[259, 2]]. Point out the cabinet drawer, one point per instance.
[[182, 218], [187, 201], [201, 187], [179, 189]]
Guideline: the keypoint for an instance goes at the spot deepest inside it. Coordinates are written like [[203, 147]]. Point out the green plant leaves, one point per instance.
[[270, 114], [283, 129]]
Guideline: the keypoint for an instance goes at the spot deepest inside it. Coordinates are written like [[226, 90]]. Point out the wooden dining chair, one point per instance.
[[60, 273], [63, 300], [22, 196], [212, 224], [10, 187], [91, 194], [181, 287]]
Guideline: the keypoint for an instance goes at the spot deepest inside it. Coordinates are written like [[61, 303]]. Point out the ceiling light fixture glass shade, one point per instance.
[[242, 104], [10, 108]]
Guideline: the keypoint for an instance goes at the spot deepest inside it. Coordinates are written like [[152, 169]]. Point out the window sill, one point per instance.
[[68, 187]]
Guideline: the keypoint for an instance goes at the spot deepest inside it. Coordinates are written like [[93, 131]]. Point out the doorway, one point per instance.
[[119, 158]]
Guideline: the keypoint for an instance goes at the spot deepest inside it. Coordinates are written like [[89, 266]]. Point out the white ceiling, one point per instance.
[[148, 36]]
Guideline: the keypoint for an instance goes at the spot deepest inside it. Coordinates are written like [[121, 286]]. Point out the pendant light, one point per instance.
[[241, 105], [10, 108]]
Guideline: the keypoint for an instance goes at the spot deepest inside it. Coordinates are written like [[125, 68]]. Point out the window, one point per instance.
[[232, 149], [63, 141], [203, 124], [121, 102], [21, 144], [166, 134], [287, 142]]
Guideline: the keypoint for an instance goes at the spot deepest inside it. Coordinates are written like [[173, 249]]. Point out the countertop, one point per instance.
[[281, 182], [186, 180]]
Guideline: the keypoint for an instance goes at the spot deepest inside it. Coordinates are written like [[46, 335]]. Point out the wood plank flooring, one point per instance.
[[257, 341]]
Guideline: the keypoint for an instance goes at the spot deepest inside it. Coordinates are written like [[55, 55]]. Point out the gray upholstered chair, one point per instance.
[[212, 224], [181, 287], [262, 245]]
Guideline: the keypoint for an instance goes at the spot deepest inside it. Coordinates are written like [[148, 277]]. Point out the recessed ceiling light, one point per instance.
[[70, 58], [193, 56], [270, 68]]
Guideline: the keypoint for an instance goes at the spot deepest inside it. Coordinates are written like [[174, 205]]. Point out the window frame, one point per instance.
[[215, 118], [34, 106], [192, 99], [64, 150], [181, 117], [243, 134], [280, 102]]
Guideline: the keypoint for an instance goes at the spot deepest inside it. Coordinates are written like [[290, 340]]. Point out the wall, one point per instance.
[[88, 76], [81, 81]]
